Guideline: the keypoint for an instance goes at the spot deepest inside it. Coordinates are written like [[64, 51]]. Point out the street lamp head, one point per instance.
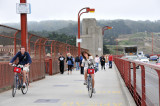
[[108, 27], [91, 10]]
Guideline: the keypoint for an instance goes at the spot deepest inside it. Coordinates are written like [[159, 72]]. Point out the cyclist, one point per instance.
[[24, 59], [87, 62]]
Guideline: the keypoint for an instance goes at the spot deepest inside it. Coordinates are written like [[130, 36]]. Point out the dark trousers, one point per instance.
[[110, 64], [103, 66], [82, 69], [70, 67], [61, 68]]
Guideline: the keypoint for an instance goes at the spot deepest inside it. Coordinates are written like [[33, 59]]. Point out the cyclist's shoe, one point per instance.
[[24, 85], [19, 87], [85, 82], [94, 91]]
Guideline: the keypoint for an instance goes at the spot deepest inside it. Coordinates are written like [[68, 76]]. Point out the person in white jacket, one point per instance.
[[87, 62], [97, 60]]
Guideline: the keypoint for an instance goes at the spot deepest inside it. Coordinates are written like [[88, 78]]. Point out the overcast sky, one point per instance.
[[68, 9]]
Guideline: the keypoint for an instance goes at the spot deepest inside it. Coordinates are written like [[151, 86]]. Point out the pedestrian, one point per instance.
[[61, 63], [82, 68], [77, 60], [102, 62], [96, 60], [110, 58], [106, 63], [73, 62], [69, 61]]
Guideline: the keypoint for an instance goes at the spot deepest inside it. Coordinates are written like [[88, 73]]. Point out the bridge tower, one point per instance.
[[92, 38]]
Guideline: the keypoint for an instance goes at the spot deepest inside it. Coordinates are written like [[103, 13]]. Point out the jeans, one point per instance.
[[110, 64], [77, 66]]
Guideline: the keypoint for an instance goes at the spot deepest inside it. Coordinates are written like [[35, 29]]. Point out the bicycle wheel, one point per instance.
[[90, 88], [14, 87], [24, 90]]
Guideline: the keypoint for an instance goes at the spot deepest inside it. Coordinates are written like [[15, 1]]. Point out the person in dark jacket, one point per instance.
[[102, 62], [77, 60], [25, 60], [61, 63], [82, 68], [69, 61]]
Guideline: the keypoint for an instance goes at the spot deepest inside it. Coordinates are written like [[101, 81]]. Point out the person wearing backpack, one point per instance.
[[69, 61], [25, 60]]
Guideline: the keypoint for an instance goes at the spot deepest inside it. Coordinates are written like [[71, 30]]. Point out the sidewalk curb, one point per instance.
[[127, 95]]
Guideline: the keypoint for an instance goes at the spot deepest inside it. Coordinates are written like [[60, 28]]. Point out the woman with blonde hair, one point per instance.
[[87, 62], [69, 61]]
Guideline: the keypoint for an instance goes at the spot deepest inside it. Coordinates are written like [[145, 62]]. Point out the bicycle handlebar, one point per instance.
[[19, 66]]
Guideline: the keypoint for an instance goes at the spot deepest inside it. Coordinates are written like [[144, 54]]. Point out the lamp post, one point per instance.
[[24, 35], [152, 43], [105, 28], [79, 14]]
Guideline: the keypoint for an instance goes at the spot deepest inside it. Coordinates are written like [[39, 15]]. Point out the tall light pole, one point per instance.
[[79, 14], [152, 43], [24, 36]]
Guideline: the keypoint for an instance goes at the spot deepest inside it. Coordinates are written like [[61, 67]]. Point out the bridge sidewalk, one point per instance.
[[68, 90]]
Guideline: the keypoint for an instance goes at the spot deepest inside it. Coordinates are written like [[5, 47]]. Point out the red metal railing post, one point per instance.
[[50, 66], [29, 41], [15, 42], [143, 99], [158, 72], [129, 77], [134, 81]]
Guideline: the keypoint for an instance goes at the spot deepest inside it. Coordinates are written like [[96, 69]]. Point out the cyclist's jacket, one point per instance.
[[23, 59], [88, 63]]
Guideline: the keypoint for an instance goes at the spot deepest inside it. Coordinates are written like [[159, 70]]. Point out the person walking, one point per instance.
[[61, 63], [110, 60], [102, 62], [82, 68], [69, 61], [106, 63], [97, 60], [73, 63], [77, 60]]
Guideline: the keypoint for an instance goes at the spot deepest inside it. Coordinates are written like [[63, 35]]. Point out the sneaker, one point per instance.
[[85, 82], [94, 91], [24, 85]]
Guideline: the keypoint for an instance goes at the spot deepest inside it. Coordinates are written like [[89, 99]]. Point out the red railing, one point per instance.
[[44, 54], [142, 80]]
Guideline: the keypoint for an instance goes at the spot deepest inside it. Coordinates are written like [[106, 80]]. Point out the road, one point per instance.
[[152, 85]]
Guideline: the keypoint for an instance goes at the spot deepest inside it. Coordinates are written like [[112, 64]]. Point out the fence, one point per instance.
[[44, 54], [142, 80]]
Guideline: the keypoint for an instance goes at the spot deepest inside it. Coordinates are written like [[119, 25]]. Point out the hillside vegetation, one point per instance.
[[127, 32]]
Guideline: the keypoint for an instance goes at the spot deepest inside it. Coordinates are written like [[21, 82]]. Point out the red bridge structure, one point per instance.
[[44, 53]]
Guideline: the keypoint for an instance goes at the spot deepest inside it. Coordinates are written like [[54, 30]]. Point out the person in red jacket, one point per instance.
[[110, 60]]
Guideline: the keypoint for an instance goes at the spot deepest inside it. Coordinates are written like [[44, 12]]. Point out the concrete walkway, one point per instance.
[[68, 90]]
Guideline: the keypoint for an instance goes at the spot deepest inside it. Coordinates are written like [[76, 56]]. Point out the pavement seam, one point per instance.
[[127, 94]]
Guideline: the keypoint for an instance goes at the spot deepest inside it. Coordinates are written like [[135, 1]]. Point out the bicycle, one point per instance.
[[89, 82], [18, 80]]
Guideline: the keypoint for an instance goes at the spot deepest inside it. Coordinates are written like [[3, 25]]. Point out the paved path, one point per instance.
[[68, 90]]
